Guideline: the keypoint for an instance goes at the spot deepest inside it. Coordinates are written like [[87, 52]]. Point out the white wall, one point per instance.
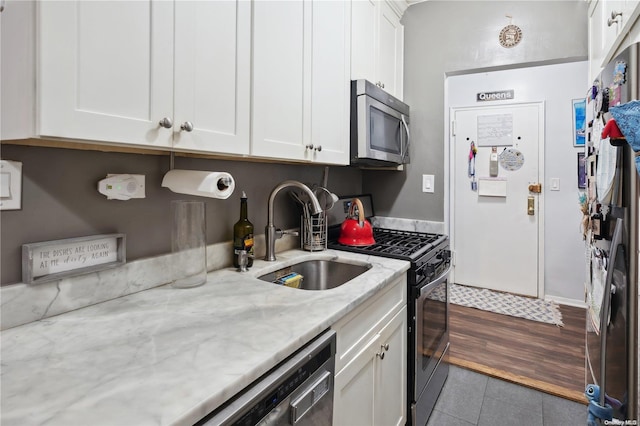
[[556, 85]]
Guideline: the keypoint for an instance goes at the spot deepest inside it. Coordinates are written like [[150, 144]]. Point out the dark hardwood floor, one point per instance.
[[538, 355]]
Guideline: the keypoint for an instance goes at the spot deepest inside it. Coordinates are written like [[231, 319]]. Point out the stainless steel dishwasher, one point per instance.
[[299, 391]]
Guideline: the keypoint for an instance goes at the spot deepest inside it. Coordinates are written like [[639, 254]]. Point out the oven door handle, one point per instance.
[[434, 283]]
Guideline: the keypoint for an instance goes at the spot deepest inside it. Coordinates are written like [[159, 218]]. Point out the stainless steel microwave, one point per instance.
[[379, 126]]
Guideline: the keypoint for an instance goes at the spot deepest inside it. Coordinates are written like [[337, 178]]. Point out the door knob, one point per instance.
[[187, 126], [166, 123]]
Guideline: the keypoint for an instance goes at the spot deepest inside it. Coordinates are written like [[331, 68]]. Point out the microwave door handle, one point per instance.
[[406, 128]]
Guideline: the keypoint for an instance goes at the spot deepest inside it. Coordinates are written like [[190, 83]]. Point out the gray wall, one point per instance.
[[444, 37], [60, 199]]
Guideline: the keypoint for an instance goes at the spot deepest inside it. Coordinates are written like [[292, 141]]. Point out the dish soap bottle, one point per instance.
[[243, 234]]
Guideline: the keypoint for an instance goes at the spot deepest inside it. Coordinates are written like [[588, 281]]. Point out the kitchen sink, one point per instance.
[[316, 274]]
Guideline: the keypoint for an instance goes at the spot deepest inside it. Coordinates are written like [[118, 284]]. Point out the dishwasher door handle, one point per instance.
[[311, 396]]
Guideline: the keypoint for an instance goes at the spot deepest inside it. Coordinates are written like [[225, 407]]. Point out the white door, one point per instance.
[[496, 225]]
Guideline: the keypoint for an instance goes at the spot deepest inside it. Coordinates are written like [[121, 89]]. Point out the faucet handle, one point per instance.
[[280, 233], [243, 260]]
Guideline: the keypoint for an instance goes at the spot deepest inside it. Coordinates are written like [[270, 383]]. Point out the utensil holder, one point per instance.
[[313, 231]]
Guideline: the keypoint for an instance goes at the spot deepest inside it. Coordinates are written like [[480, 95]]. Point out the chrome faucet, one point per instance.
[[271, 234]]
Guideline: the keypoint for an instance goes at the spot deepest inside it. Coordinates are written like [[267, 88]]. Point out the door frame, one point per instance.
[[450, 194]]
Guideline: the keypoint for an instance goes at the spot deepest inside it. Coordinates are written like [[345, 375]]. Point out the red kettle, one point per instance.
[[356, 232]]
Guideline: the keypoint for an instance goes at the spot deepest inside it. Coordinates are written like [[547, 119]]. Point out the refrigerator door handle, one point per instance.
[[606, 306]]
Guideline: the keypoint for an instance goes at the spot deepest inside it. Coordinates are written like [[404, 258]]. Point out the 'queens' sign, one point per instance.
[[502, 95]]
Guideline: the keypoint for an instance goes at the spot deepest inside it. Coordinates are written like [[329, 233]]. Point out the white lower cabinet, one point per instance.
[[371, 362]]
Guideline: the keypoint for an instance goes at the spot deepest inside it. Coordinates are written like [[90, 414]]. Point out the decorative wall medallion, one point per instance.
[[510, 36]]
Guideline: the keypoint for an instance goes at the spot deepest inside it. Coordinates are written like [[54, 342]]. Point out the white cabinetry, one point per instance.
[[371, 361], [377, 44], [111, 71], [610, 21], [301, 81]]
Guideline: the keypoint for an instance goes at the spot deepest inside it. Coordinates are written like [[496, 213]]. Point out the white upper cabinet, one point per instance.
[[105, 71], [152, 73], [212, 76], [377, 44], [610, 22], [301, 81]]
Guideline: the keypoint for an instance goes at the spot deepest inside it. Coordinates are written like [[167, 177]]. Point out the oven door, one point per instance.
[[432, 328]]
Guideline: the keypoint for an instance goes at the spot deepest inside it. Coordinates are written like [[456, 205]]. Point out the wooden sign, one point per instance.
[[55, 260]]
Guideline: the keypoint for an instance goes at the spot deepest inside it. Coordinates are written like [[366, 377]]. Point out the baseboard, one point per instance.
[[566, 301]]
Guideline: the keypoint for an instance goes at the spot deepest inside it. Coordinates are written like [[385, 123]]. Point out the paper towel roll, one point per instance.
[[201, 183]]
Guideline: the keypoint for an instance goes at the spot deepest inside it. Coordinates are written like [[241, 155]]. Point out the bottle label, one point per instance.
[[244, 243], [248, 243]]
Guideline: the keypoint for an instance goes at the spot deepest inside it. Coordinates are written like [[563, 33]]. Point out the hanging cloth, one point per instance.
[[627, 118]]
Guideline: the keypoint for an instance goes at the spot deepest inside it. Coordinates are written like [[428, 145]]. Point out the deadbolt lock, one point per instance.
[[536, 187]]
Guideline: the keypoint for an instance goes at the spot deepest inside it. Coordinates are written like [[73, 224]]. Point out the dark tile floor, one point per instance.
[[470, 398]]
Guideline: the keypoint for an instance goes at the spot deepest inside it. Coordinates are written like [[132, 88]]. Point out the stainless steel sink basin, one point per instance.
[[317, 274]]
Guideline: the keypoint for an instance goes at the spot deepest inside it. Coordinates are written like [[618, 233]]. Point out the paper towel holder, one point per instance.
[[201, 183]]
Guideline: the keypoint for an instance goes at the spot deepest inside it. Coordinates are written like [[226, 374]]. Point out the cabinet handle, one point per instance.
[[614, 18], [318, 148], [166, 123], [385, 346], [309, 146], [187, 126], [380, 355]]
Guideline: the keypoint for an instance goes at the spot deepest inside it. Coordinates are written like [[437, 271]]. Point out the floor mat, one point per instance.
[[506, 304]]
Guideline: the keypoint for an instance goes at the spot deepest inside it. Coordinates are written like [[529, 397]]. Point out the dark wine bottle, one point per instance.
[[243, 234]]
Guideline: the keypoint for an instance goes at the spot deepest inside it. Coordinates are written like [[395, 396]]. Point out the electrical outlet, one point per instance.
[[10, 185], [427, 183]]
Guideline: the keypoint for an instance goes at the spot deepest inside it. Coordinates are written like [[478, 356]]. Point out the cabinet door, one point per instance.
[[363, 40], [390, 50], [17, 47], [596, 38], [330, 82], [354, 388], [279, 86], [391, 374], [212, 76], [106, 70]]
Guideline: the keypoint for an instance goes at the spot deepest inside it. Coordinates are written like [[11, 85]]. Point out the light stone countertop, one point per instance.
[[169, 356]]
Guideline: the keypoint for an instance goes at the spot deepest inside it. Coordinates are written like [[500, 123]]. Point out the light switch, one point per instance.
[[427, 183], [10, 185], [555, 184], [5, 185]]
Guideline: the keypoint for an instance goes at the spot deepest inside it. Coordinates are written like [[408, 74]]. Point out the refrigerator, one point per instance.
[[611, 209]]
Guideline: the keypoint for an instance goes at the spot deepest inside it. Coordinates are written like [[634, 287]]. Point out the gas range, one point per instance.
[[427, 308], [393, 243]]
